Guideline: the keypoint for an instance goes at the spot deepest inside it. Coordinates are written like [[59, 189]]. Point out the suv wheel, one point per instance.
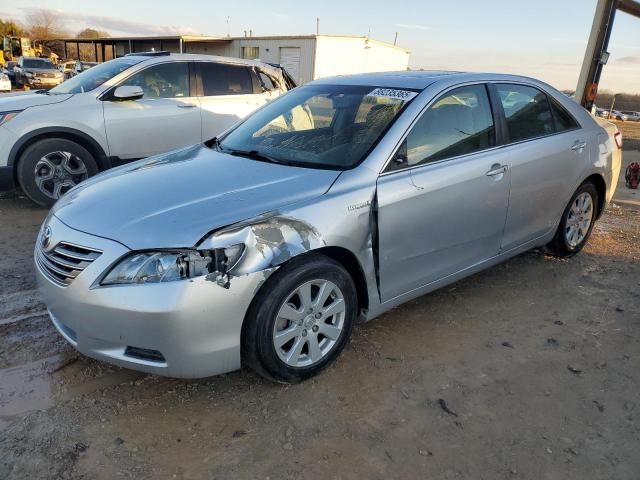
[[300, 320], [49, 168]]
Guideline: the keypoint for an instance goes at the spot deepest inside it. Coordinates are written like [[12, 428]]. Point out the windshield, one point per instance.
[[321, 126], [96, 76], [38, 63]]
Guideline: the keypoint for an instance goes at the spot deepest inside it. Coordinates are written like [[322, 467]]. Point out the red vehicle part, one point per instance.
[[632, 175]]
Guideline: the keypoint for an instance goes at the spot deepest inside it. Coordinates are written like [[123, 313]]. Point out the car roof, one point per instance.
[[420, 79], [197, 58]]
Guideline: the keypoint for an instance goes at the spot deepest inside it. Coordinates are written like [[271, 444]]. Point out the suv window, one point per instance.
[[267, 81], [458, 123], [166, 80], [38, 63], [526, 110], [564, 120], [222, 79]]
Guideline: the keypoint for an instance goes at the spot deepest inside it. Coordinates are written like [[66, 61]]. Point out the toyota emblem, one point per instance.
[[46, 237]]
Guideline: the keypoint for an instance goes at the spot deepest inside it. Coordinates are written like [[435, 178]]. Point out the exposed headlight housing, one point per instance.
[[6, 116], [171, 266]]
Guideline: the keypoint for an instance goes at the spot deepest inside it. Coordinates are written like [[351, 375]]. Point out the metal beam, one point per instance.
[[597, 45], [596, 55], [631, 7]]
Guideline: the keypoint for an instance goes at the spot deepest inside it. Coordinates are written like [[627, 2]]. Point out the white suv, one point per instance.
[[125, 109]]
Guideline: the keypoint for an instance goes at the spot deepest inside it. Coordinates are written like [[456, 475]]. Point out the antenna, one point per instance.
[[395, 40], [317, 25]]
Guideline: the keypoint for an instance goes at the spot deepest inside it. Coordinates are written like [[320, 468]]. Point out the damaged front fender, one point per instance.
[[268, 242]]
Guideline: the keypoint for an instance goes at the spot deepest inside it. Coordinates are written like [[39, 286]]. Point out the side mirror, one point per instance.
[[401, 157], [127, 92]]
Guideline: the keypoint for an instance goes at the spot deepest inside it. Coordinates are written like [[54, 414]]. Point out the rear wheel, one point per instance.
[[577, 222], [51, 167], [301, 319]]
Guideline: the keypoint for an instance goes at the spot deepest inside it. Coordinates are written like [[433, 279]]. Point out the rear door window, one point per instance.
[[564, 120], [527, 112], [225, 79]]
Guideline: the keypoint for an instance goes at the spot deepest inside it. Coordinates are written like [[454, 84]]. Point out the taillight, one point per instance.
[[618, 138]]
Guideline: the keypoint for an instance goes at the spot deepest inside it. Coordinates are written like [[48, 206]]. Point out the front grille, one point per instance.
[[46, 75], [65, 262]]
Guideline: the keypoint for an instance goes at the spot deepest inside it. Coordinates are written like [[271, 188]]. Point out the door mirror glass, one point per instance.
[[128, 92], [400, 157]]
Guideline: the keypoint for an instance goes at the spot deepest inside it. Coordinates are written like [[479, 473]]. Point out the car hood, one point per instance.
[[22, 100], [174, 200]]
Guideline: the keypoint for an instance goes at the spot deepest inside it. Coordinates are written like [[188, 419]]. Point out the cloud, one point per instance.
[[281, 15], [71, 20], [629, 59], [412, 26]]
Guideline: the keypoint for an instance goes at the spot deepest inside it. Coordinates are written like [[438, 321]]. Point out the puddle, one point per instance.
[[41, 384]]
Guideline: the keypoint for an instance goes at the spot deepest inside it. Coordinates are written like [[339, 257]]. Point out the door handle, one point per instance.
[[186, 105], [497, 169], [578, 145]]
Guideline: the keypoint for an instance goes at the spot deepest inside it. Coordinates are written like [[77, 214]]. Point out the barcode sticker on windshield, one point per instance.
[[392, 93]]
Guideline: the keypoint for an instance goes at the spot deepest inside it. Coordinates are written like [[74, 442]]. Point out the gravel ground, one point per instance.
[[528, 370]]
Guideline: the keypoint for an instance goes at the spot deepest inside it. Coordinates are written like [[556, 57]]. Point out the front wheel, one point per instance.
[[300, 320], [51, 167], [577, 222]]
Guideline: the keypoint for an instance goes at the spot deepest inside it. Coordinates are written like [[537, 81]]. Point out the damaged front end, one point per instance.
[[240, 249], [265, 243]]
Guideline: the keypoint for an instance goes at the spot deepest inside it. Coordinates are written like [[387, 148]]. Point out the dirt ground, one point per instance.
[[529, 370]]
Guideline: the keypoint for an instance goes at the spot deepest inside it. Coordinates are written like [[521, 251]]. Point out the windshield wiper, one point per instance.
[[253, 154], [42, 92]]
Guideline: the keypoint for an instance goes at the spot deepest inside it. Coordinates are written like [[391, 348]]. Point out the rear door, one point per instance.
[[548, 152], [167, 117], [228, 93]]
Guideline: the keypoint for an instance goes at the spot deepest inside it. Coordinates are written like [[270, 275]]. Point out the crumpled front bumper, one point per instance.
[[195, 325]]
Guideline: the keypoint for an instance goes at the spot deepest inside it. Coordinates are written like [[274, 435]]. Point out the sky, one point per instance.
[[545, 39]]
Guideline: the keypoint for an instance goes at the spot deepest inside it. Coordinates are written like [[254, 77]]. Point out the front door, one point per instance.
[[167, 117], [442, 201]]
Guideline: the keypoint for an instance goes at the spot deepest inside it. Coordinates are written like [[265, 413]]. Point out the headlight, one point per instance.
[[171, 266], [6, 116]]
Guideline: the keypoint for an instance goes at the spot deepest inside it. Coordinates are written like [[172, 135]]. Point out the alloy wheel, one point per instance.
[[309, 323], [579, 219], [57, 172]]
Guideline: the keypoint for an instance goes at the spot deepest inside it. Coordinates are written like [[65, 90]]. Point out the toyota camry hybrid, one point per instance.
[[334, 203]]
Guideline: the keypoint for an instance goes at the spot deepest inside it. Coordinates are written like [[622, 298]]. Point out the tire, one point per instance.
[[264, 320], [65, 161], [567, 242]]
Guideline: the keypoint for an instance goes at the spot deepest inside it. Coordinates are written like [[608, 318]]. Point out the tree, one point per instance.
[[43, 25], [91, 33], [11, 28]]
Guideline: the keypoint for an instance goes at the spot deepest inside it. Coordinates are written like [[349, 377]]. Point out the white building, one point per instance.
[[305, 57]]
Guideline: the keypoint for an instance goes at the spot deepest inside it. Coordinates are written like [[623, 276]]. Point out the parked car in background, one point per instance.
[[264, 245], [617, 115], [122, 110], [632, 116], [67, 68], [35, 72], [5, 82], [10, 66], [80, 67]]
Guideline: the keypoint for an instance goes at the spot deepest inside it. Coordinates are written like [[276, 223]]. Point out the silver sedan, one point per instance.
[[334, 203]]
